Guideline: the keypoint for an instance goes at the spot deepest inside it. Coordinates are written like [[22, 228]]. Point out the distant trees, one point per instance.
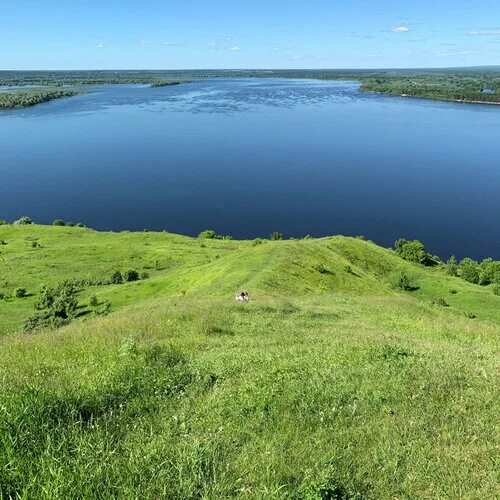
[[210, 234], [276, 236], [24, 99], [58, 222]]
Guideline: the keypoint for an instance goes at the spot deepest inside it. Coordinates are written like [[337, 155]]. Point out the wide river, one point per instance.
[[250, 156]]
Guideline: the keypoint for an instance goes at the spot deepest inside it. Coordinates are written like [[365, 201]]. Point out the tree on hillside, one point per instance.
[[469, 270], [413, 251], [452, 266]]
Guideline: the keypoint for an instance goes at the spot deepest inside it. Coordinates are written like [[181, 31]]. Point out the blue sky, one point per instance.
[[153, 34]]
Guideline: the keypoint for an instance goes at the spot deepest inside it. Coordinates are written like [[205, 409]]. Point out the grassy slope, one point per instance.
[[327, 383]]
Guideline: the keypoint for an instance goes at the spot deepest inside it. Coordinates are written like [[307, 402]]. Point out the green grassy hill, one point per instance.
[[329, 384]]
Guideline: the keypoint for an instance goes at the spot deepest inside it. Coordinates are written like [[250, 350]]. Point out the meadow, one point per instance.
[[331, 383]]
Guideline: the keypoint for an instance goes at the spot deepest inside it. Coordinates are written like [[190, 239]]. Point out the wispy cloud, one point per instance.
[[401, 29], [147, 42], [100, 45], [451, 54], [173, 44], [485, 33], [235, 48]]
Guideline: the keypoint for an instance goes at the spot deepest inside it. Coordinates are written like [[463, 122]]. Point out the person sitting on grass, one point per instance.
[[242, 297]]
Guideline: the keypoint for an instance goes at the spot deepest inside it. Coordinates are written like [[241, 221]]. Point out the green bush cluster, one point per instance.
[[412, 251], [56, 306], [210, 234], [24, 220]]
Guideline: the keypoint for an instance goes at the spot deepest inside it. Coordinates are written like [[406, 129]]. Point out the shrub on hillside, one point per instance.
[[469, 270], [116, 278], [412, 251], [3, 222], [209, 234], [79, 224], [93, 302], [106, 307], [489, 272], [403, 283], [452, 266], [496, 289], [440, 302], [56, 306], [130, 275], [276, 236], [257, 241], [59, 300], [19, 292], [58, 222], [144, 275], [70, 224], [320, 268], [24, 220]]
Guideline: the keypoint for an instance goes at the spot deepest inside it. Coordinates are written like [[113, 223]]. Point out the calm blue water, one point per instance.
[[248, 157]]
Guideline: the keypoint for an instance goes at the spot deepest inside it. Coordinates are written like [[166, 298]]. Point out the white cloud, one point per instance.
[[146, 42], [485, 33], [401, 29], [100, 45], [235, 48], [172, 44]]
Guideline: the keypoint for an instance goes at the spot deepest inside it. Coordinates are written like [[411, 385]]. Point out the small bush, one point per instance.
[[470, 315], [209, 234], [144, 275], [308, 237], [79, 224], [453, 291], [19, 292], [321, 268], [440, 302], [257, 241], [116, 278], [452, 266], [104, 310], [348, 269], [130, 275], [496, 289], [3, 222], [3, 242], [24, 220], [93, 302], [403, 282], [70, 224], [276, 236], [58, 222]]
